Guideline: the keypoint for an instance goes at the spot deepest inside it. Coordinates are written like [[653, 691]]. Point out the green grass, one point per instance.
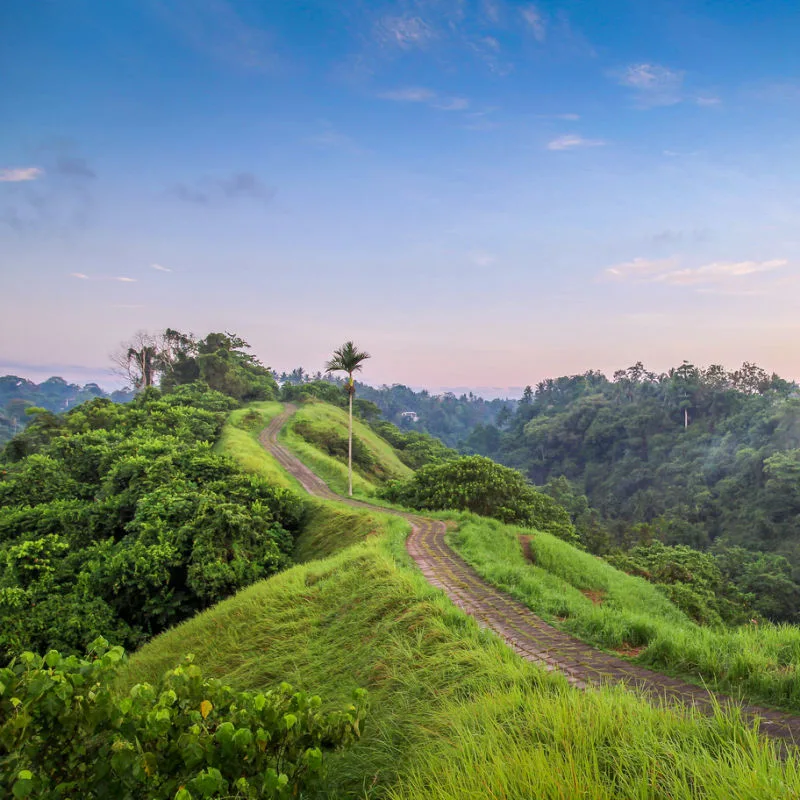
[[331, 527], [453, 712], [239, 440], [758, 663], [323, 416]]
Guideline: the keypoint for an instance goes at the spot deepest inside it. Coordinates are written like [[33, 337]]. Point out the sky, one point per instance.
[[481, 193]]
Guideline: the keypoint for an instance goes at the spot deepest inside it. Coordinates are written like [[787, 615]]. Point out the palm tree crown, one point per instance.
[[347, 358]]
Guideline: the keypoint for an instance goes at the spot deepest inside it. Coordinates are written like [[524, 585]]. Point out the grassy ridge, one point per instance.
[[334, 472], [761, 663], [239, 440], [453, 713]]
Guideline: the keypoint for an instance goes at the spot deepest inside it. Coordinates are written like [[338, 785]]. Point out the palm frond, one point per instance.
[[347, 358]]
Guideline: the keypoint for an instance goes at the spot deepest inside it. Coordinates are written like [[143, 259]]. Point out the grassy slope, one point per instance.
[[334, 472], [239, 440], [762, 663], [453, 713]]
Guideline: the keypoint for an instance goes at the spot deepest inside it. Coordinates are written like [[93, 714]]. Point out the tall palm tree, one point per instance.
[[348, 358]]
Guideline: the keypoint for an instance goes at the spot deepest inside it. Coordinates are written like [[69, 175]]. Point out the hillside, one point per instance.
[[707, 459], [452, 712], [317, 433]]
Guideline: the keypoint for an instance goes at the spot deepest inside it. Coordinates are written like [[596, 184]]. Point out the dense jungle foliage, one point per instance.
[[119, 520], [703, 458]]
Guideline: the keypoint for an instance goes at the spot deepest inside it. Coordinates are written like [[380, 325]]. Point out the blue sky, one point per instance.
[[480, 192]]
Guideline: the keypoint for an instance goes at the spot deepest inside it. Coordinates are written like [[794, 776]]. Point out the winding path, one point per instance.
[[528, 635]]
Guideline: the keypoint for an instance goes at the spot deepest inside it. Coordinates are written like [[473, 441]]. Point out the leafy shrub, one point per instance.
[[66, 733], [121, 521], [691, 579], [478, 484], [415, 449]]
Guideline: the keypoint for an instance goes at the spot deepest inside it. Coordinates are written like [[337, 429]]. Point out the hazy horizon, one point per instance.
[[479, 192]]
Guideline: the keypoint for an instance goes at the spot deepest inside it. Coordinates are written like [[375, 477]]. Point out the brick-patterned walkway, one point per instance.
[[531, 637]]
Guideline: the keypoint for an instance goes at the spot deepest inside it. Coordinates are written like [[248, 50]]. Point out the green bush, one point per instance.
[[65, 732], [478, 484], [120, 521]]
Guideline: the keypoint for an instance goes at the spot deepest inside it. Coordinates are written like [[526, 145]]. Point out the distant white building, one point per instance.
[[410, 415]]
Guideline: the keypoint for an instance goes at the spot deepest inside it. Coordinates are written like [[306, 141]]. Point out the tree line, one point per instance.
[[704, 459]]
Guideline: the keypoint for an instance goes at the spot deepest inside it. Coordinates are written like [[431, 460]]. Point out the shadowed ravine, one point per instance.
[[531, 637]]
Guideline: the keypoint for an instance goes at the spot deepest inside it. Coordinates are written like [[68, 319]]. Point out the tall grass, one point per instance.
[[453, 712], [239, 440], [760, 663], [331, 470]]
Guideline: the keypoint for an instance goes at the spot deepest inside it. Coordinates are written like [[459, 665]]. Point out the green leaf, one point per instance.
[[52, 658]]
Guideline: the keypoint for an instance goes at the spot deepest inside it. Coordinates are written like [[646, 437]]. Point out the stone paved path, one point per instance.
[[531, 637]]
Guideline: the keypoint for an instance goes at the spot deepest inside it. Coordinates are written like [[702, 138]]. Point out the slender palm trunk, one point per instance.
[[350, 448]]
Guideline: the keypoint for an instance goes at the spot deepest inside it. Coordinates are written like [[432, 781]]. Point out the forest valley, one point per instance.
[[119, 520]]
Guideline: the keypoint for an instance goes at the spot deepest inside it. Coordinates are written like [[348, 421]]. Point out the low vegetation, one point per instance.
[[65, 731], [317, 433], [452, 712], [240, 439], [605, 607]]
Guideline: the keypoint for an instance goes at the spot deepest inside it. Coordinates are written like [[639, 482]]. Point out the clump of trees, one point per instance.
[[478, 484], [172, 358], [119, 520], [67, 731]]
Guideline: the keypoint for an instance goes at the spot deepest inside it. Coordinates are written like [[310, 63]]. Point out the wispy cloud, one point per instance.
[[119, 278], [160, 268], [653, 84], [641, 268], [20, 174], [406, 32], [417, 94], [719, 271], [707, 101], [572, 140], [208, 191], [669, 272], [75, 166], [568, 117], [412, 94], [214, 27], [535, 21], [56, 205]]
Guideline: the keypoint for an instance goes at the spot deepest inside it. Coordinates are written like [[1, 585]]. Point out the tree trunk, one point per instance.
[[350, 447]]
